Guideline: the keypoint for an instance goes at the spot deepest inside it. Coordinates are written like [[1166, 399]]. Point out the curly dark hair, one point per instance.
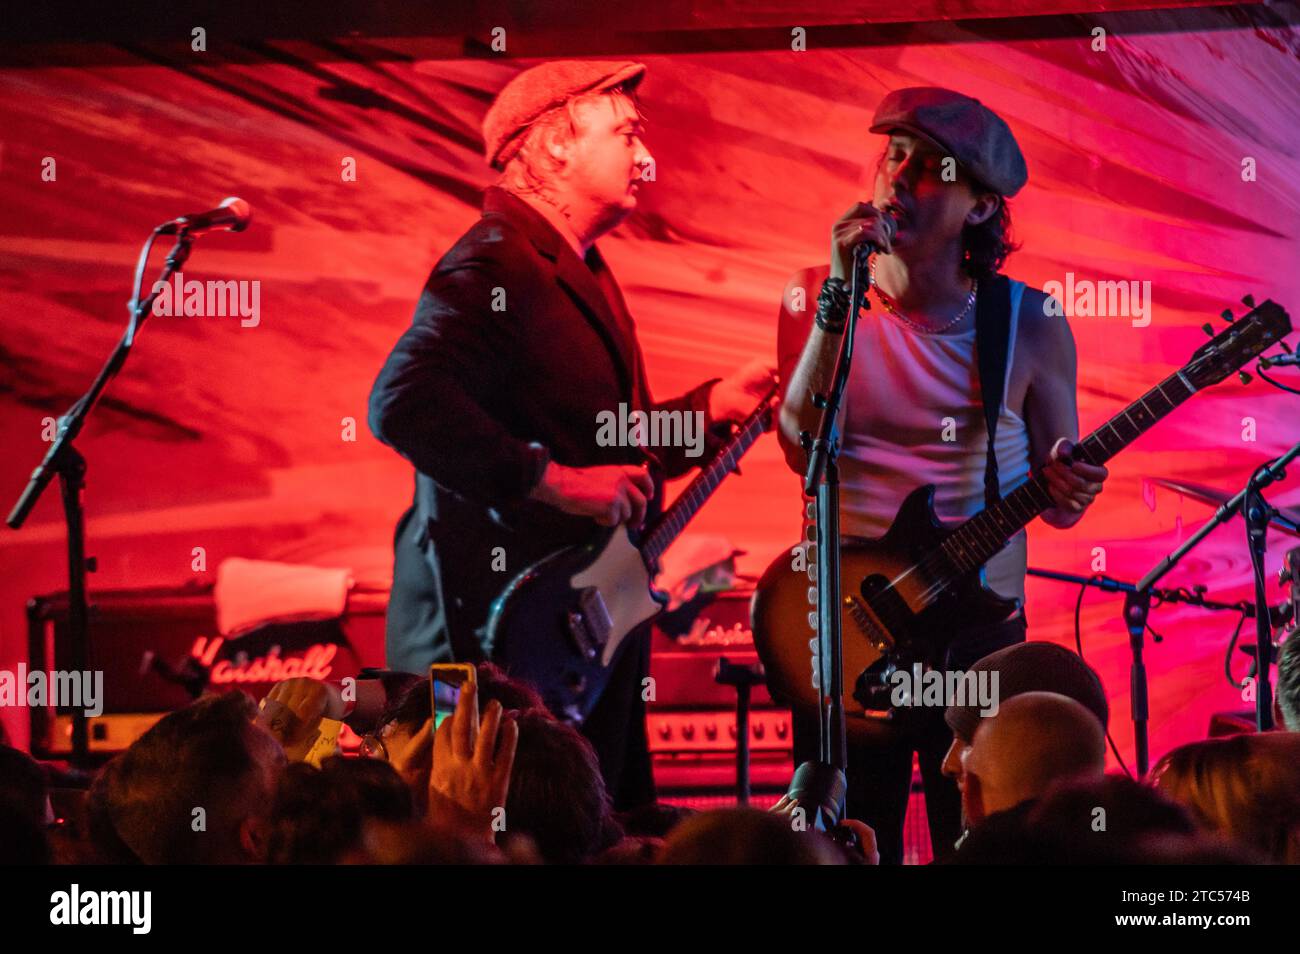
[[985, 247]]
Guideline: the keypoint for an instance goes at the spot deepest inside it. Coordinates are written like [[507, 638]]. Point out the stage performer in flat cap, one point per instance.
[[520, 341], [961, 378]]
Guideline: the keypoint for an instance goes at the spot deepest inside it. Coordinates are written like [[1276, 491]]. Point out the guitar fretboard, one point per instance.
[[705, 483], [979, 538]]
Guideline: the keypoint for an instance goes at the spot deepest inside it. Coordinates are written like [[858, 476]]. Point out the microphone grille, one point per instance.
[[242, 211]]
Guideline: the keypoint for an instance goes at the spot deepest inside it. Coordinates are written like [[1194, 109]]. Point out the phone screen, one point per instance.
[[445, 681], [445, 696]]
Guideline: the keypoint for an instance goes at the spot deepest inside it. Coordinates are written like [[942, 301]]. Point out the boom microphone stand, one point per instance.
[[65, 461], [1258, 516], [822, 784], [1137, 607]]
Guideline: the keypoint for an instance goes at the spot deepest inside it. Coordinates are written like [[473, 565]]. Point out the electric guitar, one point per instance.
[[904, 591], [562, 623]]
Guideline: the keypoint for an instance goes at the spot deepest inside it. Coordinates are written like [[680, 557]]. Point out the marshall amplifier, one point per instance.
[[159, 648], [691, 720]]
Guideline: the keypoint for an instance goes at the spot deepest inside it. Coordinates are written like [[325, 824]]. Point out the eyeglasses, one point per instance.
[[372, 747]]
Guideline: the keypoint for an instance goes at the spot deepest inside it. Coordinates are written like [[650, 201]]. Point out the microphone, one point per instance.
[[233, 214], [819, 789], [1281, 359], [866, 247]]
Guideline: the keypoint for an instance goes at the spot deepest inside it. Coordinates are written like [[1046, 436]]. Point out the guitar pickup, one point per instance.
[[858, 610], [590, 624]]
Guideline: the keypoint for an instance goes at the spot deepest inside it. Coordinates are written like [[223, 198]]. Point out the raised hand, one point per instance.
[[292, 712], [470, 778]]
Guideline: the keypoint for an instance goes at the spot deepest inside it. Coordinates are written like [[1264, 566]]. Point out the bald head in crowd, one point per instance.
[[1035, 740], [1021, 668]]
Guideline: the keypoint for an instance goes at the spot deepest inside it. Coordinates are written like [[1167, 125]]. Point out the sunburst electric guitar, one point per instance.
[[922, 578]]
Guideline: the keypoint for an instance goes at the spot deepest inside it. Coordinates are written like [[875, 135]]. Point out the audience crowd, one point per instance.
[[500, 781]]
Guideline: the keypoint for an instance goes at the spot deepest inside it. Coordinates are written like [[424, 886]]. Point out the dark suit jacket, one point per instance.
[[517, 344]]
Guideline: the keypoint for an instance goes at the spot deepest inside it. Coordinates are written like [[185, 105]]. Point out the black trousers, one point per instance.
[[879, 772], [436, 614], [616, 728]]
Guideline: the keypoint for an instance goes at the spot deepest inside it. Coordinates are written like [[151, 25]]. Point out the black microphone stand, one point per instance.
[[822, 785], [1137, 607], [1258, 515], [65, 461]]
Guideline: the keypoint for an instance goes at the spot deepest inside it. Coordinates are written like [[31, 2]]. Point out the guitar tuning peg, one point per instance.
[[1208, 329], [1226, 315], [1248, 301], [1245, 378]]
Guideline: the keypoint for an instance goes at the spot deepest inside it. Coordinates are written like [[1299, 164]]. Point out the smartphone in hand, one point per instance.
[[445, 680]]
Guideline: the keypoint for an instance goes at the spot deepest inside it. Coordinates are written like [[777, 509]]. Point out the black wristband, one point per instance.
[[833, 306]]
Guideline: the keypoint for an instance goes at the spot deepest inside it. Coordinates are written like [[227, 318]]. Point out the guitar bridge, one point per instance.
[[590, 624], [858, 613]]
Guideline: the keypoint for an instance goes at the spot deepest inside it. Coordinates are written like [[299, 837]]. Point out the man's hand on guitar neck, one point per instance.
[[1073, 485], [735, 396], [610, 495]]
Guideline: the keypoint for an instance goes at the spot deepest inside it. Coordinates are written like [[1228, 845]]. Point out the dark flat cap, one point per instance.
[[964, 127], [540, 89], [1034, 667]]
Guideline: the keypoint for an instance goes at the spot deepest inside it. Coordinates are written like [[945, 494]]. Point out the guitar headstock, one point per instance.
[[1247, 337]]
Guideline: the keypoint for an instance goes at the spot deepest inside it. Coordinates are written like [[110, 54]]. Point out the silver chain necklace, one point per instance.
[[889, 307]]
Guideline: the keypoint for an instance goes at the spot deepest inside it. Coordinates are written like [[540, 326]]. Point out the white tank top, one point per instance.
[[907, 392]]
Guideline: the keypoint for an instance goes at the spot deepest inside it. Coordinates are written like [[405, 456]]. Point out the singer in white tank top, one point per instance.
[[913, 415], [913, 411]]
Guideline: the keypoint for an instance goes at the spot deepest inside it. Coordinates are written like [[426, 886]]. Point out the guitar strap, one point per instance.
[[992, 341]]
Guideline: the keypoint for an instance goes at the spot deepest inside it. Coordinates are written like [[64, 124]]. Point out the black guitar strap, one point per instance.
[[992, 342]]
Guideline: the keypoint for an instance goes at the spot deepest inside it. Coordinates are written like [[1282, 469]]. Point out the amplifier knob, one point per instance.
[[782, 730], [688, 732], [711, 731], [665, 731], [759, 730], [731, 729]]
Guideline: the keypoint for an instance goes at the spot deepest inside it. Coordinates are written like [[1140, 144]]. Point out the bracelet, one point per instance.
[[833, 306]]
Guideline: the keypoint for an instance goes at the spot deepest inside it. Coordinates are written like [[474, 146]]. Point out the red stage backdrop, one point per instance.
[[1165, 157]]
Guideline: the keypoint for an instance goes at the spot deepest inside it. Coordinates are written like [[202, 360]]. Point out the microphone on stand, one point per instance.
[[231, 215], [867, 246], [1281, 359], [819, 787]]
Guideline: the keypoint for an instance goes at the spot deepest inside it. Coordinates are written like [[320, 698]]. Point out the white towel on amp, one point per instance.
[[250, 593]]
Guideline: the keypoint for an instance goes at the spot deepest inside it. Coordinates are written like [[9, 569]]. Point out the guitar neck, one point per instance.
[[979, 538], [685, 507]]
